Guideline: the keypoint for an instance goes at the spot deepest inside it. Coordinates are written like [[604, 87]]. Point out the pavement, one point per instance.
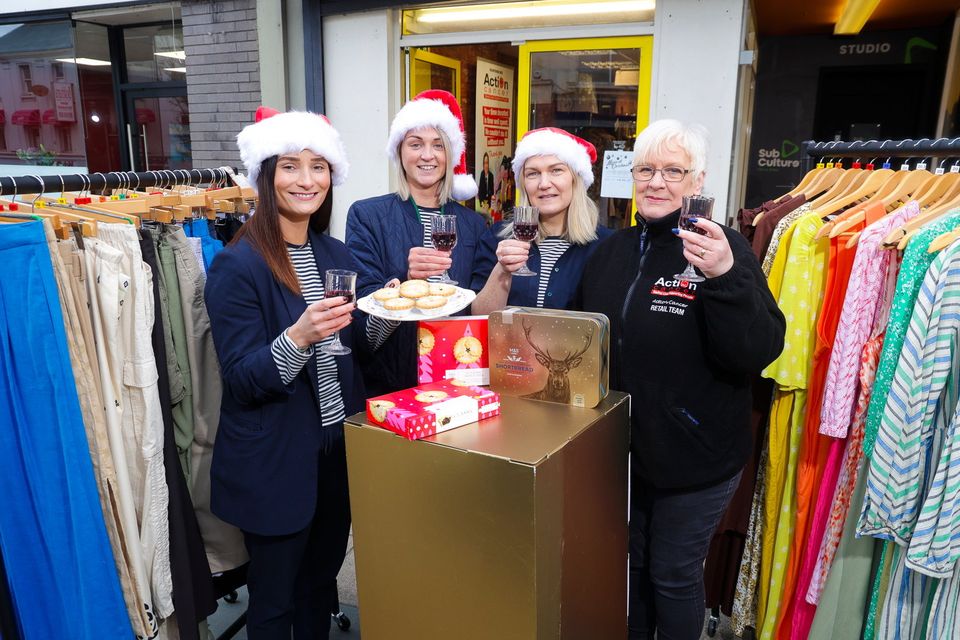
[[227, 613]]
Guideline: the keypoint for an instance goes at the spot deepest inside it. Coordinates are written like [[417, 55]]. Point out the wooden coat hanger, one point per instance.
[[868, 184], [911, 183], [944, 240]]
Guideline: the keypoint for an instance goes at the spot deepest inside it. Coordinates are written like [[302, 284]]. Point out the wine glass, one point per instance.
[[526, 225], [443, 232], [693, 207], [339, 282]]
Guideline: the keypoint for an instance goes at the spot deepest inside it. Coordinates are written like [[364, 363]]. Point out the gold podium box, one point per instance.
[[512, 527]]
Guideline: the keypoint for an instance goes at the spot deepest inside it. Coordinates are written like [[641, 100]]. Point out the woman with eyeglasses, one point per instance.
[[685, 351]]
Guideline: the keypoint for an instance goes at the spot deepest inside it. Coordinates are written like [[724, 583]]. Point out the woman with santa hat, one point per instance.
[[390, 235], [279, 466], [553, 169]]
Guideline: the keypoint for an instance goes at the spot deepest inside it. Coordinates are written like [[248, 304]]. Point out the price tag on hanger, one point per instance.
[[870, 166], [939, 171], [886, 165], [123, 196], [955, 168], [820, 165], [40, 204], [133, 195], [829, 165], [856, 165], [61, 200], [921, 166], [114, 197], [905, 167], [14, 206]]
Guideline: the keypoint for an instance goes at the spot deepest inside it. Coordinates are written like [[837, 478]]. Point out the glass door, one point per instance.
[[429, 70], [158, 130], [598, 89]]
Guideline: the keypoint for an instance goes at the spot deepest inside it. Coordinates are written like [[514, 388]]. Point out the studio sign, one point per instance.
[[865, 49]]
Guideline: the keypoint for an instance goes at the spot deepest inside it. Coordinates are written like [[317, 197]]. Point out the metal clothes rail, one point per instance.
[[112, 180], [880, 149]]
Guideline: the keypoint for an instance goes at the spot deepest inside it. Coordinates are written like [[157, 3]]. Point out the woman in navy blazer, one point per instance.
[[279, 465], [554, 169], [390, 234]]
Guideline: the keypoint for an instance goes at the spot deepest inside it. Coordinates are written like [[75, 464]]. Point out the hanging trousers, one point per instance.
[[52, 536], [192, 585]]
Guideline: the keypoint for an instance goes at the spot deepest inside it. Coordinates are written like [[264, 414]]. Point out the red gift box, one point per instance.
[[432, 408], [453, 349]]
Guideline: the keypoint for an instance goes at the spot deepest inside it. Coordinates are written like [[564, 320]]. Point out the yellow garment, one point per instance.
[[797, 279]]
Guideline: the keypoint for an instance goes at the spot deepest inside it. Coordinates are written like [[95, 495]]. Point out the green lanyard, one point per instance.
[[417, 209]]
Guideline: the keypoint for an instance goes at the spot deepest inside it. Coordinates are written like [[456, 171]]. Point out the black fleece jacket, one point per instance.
[[684, 351]]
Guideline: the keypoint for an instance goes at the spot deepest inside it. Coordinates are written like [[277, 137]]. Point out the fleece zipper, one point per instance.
[[633, 285]]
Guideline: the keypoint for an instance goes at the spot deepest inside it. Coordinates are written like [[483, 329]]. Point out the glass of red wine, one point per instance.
[[443, 232], [693, 207], [526, 226], [339, 282]]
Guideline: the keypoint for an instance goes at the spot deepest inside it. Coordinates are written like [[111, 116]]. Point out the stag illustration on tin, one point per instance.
[[557, 388]]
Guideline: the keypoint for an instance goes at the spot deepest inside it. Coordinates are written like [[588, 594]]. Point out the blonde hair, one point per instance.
[[445, 187], [580, 224], [661, 136]]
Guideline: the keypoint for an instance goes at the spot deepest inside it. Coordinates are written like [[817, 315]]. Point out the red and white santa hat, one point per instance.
[[274, 133], [575, 152], [439, 109]]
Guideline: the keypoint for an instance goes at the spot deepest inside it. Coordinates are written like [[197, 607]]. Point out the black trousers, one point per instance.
[[292, 579], [670, 532]]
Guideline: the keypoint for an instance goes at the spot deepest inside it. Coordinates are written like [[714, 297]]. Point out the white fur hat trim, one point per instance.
[[417, 114], [547, 143], [292, 132]]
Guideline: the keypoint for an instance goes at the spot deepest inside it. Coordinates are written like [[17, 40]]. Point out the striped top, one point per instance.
[[551, 248], [427, 214], [290, 360], [906, 482]]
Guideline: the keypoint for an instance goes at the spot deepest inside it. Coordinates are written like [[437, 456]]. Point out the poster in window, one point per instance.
[[63, 98], [493, 140]]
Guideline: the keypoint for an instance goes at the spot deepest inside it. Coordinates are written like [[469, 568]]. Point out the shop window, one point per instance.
[[33, 137], [64, 139], [26, 80], [155, 53]]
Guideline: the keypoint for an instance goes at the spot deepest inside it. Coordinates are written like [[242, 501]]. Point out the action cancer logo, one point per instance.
[[782, 158]]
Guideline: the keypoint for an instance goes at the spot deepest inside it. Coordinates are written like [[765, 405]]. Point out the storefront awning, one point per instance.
[[50, 117], [26, 118], [145, 116]]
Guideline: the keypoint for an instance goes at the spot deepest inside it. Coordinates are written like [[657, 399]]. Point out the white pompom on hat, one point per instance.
[[575, 152], [439, 109], [274, 133]]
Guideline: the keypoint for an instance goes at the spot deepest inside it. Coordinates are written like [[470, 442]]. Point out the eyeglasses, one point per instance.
[[669, 174]]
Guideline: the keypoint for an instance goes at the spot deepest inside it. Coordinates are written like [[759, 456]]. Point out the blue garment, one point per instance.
[[200, 228], [270, 440], [58, 560], [380, 233], [523, 291]]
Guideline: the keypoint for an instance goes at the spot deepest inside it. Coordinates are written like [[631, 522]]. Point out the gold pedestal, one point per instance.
[[513, 527]]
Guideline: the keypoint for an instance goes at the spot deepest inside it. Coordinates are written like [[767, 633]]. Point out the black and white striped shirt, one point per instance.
[[427, 214], [551, 249], [290, 360]]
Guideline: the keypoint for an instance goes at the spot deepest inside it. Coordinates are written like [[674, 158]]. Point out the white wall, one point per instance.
[[361, 87], [696, 52]]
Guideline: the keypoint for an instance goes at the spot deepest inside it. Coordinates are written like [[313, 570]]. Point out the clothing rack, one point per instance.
[[906, 148], [113, 180]]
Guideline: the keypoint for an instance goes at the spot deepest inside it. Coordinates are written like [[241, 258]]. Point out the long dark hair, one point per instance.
[[262, 230]]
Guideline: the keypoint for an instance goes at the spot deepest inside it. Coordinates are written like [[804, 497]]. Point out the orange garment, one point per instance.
[[815, 447]]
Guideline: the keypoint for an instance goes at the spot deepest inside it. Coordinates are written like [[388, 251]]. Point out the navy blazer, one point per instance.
[[269, 444], [380, 233], [523, 290]]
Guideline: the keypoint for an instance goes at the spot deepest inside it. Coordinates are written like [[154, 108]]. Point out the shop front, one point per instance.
[[596, 70]]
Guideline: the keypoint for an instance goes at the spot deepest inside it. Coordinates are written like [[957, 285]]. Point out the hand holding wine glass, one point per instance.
[[526, 226], [443, 232], [694, 207], [339, 283]]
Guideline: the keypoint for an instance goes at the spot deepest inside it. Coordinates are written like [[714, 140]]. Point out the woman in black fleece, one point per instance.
[[685, 352]]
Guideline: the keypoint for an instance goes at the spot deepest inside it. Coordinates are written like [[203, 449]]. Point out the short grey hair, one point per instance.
[[445, 187], [663, 135]]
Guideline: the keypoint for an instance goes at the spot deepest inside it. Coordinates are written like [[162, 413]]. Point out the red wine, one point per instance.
[[686, 225], [444, 240], [526, 231], [333, 293]]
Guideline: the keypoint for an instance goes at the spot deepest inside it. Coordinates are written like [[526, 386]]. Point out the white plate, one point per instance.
[[460, 300]]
